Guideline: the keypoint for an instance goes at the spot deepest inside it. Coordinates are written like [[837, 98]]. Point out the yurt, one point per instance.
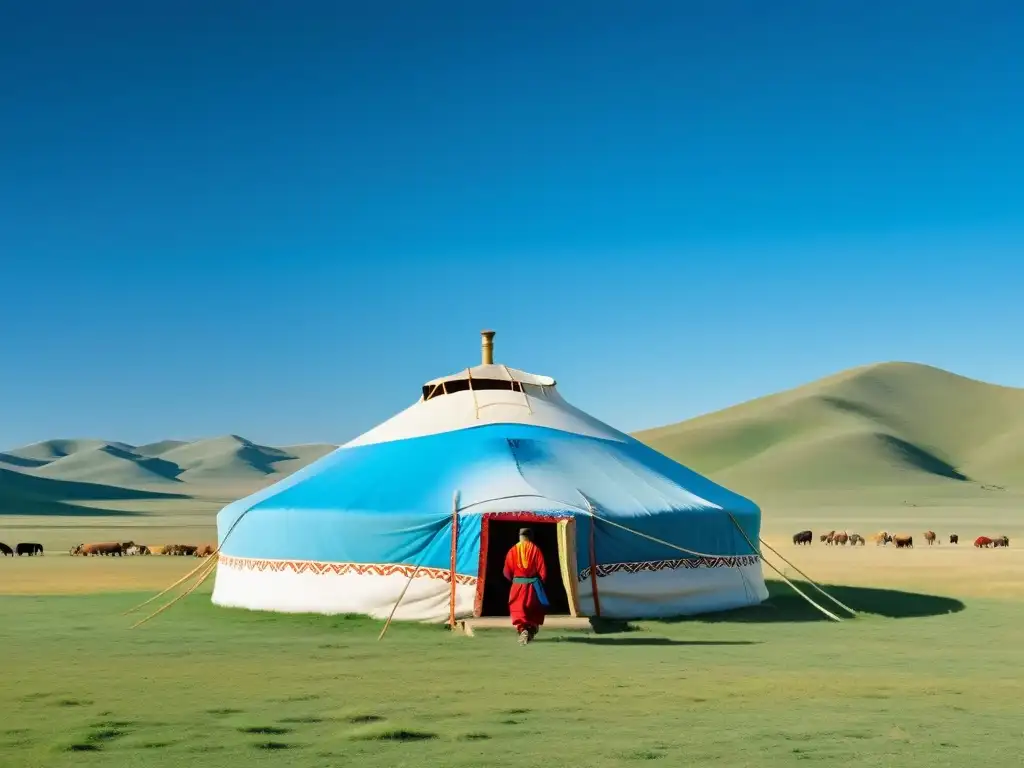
[[421, 510]]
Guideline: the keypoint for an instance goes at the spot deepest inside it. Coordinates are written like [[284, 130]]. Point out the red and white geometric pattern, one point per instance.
[[444, 574], [341, 569], [721, 561]]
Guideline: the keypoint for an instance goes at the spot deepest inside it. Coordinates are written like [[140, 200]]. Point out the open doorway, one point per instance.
[[502, 535]]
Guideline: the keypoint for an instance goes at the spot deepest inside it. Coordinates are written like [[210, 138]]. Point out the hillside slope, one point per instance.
[[891, 424], [53, 476]]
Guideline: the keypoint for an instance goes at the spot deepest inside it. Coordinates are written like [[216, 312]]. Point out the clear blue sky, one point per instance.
[[279, 218]]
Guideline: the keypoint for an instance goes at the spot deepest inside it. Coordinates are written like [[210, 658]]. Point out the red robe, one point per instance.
[[525, 560]]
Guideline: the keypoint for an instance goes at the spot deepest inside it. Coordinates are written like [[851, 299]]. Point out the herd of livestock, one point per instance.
[[115, 549], [901, 540], [128, 548]]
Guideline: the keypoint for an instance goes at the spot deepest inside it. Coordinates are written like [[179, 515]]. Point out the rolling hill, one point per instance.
[[56, 476], [891, 424]]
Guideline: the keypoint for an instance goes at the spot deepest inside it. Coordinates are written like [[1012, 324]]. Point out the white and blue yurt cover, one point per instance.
[[430, 501]]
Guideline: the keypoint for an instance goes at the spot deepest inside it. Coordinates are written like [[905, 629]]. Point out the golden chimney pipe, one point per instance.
[[487, 347]]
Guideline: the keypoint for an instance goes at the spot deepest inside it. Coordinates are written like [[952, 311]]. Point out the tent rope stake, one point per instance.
[[210, 567], [704, 554], [793, 586], [412, 576], [810, 581], [161, 594], [213, 558]]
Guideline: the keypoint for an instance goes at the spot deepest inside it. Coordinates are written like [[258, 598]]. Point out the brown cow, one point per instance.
[[823, 537], [841, 538], [205, 550], [830, 538], [983, 542], [902, 541], [105, 548], [882, 537], [929, 536], [856, 538]]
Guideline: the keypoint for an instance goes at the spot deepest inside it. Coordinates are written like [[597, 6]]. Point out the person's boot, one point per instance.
[[524, 637]]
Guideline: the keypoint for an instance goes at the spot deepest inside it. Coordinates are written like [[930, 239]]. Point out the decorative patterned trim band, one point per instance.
[[444, 574], [722, 561], [341, 569]]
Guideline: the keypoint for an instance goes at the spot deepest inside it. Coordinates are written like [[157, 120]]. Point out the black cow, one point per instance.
[[5, 550], [804, 537], [954, 538], [30, 549]]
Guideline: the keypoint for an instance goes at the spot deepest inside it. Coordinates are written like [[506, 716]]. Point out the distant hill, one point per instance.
[[27, 494], [892, 424], [111, 464], [44, 478]]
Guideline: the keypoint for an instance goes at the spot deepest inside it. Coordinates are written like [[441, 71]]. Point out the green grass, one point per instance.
[[929, 682]]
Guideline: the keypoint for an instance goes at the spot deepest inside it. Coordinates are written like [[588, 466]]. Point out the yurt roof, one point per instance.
[[495, 372], [488, 393]]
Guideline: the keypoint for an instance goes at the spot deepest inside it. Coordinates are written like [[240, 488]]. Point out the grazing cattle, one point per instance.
[[829, 537], [804, 537], [856, 538], [5, 550], [882, 537], [76, 550], [983, 542], [29, 548], [136, 549], [929, 536], [903, 541], [1001, 541], [954, 538], [841, 538], [110, 548], [180, 550], [205, 550]]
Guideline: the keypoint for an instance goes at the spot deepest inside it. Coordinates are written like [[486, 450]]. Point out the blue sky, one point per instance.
[[279, 219]]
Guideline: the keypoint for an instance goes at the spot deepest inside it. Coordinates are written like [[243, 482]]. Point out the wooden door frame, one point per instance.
[[522, 517]]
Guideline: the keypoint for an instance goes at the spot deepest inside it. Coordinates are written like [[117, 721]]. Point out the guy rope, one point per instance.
[[204, 569], [810, 581], [416, 570], [705, 554]]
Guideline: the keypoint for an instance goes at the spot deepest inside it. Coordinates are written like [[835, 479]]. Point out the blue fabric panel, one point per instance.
[[392, 502]]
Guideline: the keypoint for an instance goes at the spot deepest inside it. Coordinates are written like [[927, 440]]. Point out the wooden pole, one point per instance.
[[406, 588], [455, 553], [398, 601], [593, 565]]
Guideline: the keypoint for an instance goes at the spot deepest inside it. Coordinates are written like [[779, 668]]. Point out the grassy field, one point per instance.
[[933, 683], [927, 676]]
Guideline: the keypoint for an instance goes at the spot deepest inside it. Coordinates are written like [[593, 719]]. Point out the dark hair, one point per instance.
[[526, 533]]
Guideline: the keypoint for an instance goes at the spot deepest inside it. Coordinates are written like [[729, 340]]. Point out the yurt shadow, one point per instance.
[[785, 606], [645, 641]]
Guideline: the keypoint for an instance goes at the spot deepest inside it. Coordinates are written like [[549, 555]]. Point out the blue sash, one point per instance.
[[538, 587]]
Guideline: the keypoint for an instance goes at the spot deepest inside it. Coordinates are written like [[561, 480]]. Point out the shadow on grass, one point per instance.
[[650, 641], [785, 605]]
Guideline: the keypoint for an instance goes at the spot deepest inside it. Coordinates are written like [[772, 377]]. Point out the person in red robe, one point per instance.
[[527, 601]]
